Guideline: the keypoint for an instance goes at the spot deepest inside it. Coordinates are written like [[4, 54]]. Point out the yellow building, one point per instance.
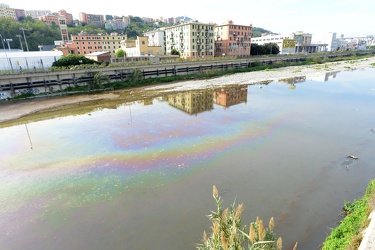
[[112, 42], [140, 47], [192, 39]]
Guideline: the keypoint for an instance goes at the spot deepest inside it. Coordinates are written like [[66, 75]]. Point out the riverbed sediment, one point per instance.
[[13, 109]]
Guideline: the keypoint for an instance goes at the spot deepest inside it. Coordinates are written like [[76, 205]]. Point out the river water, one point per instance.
[[140, 176]]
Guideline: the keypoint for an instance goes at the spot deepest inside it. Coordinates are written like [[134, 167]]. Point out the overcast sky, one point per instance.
[[348, 17]]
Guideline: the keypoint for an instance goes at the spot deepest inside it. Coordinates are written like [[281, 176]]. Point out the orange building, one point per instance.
[[57, 20], [84, 43], [230, 96], [232, 39], [68, 16]]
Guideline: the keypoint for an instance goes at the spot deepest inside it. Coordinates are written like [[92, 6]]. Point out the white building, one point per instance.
[[156, 38], [280, 40], [329, 38], [35, 14]]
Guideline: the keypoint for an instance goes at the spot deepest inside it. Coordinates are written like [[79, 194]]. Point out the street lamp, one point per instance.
[[19, 36], [6, 55], [23, 31], [8, 40]]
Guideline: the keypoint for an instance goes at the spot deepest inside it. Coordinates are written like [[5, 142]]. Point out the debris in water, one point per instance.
[[353, 157]]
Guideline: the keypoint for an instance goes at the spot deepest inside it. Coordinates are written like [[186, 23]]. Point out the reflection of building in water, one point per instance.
[[323, 77], [293, 80], [147, 101], [192, 102], [230, 96]]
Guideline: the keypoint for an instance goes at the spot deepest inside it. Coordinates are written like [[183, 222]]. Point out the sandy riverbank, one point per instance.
[[10, 110]]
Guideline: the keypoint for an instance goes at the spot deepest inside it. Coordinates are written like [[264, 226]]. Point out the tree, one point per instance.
[[71, 60], [266, 49], [271, 48], [120, 53], [175, 52]]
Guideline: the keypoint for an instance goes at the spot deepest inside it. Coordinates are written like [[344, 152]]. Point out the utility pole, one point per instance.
[[19, 36], [23, 31]]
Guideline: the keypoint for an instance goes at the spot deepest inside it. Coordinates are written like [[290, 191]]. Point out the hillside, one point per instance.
[[39, 33]]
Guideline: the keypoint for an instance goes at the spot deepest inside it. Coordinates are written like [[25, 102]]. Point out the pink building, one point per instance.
[[97, 20], [58, 20], [68, 16], [232, 39], [19, 13]]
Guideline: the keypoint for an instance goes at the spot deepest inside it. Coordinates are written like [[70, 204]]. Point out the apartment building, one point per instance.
[[192, 102], [20, 13], [84, 43], [192, 39], [156, 38], [97, 20], [68, 16], [60, 21], [114, 24], [233, 39], [230, 96], [6, 11], [35, 14]]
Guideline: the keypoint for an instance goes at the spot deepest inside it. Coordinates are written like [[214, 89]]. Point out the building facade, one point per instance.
[[68, 16], [191, 40], [285, 44], [192, 102], [35, 14], [60, 21], [156, 38], [97, 20], [329, 39], [20, 13], [83, 43], [140, 47], [232, 39], [114, 24], [6, 11], [230, 96]]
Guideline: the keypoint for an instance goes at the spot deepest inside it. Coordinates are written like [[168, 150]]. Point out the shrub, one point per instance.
[[71, 60], [228, 233]]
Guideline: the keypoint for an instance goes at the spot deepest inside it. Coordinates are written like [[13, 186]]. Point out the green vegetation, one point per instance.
[[348, 234], [120, 53], [36, 33], [266, 49], [229, 234], [175, 52], [39, 33], [71, 60], [89, 29], [257, 32], [138, 26]]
